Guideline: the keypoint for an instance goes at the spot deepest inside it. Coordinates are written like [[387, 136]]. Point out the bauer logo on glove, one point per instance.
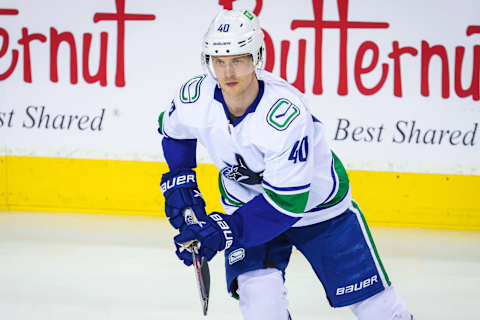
[[181, 192], [227, 233], [177, 181]]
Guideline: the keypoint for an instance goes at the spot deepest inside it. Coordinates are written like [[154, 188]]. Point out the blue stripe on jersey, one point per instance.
[[219, 97], [286, 188], [329, 205], [180, 154], [226, 203], [332, 172], [341, 178]]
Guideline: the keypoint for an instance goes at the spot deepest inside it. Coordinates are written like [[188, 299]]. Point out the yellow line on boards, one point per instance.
[[418, 199], [85, 185], [132, 187]]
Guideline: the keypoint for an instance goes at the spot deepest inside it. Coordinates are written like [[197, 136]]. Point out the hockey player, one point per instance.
[[280, 184]]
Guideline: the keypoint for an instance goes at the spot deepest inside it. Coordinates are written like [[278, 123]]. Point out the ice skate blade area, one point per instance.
[[84, 266]]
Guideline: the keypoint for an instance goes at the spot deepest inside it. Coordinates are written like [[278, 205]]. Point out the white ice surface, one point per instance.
[[100, 267]]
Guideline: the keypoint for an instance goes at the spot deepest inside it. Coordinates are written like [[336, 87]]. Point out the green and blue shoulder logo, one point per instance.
[[282, 114]]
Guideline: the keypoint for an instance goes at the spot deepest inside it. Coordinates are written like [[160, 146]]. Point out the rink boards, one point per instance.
[[82, 85], [132, 188]]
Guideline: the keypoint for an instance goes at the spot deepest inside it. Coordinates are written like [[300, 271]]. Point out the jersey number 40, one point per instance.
[[299, 151], [223, 28]]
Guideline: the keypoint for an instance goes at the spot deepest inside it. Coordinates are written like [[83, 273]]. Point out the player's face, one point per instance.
[[235, 74]]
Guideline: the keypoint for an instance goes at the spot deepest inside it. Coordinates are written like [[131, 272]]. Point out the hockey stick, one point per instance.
[[200, 265], [202, 275]]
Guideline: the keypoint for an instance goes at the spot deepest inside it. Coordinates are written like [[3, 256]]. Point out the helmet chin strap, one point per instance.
[[260, 62], [259, 68]]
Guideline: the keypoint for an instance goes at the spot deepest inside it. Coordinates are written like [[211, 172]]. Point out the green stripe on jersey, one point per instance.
[[224, 193], [355, 205], [295, 203], [343, 183], [160, 121]]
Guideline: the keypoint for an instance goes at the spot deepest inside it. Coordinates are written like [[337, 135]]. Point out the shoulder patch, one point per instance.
[[190, 91], [282, 114]]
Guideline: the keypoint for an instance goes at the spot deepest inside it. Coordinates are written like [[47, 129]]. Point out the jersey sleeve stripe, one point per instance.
[[271, 187], [225, 202], [278, 208], [161, 126], [292, 203], [229, 198], [343, 186], [160, 123], [335, 184]]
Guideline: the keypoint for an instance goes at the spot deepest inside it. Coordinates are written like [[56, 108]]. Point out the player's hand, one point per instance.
[[212, 232], [181, 191]]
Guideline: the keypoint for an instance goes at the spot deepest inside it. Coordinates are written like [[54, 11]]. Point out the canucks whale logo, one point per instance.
[[240, 172]]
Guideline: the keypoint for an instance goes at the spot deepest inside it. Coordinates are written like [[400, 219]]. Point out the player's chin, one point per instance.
[[233, 92]]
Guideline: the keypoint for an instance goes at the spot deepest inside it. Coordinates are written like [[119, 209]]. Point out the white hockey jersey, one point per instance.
[[277, 148]]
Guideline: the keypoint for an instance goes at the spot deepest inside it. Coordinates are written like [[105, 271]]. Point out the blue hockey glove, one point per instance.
[[181, 192], [212, 232]]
